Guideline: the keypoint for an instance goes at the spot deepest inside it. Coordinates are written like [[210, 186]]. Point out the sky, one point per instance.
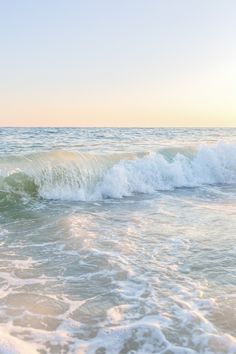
[[118, 63]]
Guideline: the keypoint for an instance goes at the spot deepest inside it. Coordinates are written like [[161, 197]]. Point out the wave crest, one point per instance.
[[81, 176]]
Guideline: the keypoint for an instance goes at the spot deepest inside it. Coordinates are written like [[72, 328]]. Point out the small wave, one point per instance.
[[80, 176]]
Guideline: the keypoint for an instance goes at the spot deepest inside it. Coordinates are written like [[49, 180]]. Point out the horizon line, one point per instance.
[[116, 127]]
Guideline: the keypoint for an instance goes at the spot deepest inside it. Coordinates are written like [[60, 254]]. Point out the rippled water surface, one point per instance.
[[117, 241]]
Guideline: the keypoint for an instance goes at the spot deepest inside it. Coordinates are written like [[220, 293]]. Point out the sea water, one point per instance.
[[117, 241]]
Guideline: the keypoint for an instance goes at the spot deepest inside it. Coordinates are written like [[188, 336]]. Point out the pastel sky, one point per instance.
[[118, 63]]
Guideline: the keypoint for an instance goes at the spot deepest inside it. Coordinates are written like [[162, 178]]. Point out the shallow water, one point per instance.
[[118, 241]]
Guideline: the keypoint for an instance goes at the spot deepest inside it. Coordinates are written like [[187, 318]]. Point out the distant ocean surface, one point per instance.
[[117, 241]]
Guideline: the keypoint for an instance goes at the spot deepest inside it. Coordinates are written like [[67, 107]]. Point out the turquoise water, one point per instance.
[[117, 240]]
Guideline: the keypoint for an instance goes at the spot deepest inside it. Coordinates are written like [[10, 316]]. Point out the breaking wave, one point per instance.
[[84, 176]]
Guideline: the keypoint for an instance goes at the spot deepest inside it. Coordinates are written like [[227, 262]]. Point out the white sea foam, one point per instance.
[[146, 336], [12, 345], [210, 165]]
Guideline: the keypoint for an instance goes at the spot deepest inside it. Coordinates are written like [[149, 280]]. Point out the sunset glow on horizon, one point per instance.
[[118, 63]]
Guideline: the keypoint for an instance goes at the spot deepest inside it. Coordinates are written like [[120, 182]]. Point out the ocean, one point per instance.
[[117, 241]]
